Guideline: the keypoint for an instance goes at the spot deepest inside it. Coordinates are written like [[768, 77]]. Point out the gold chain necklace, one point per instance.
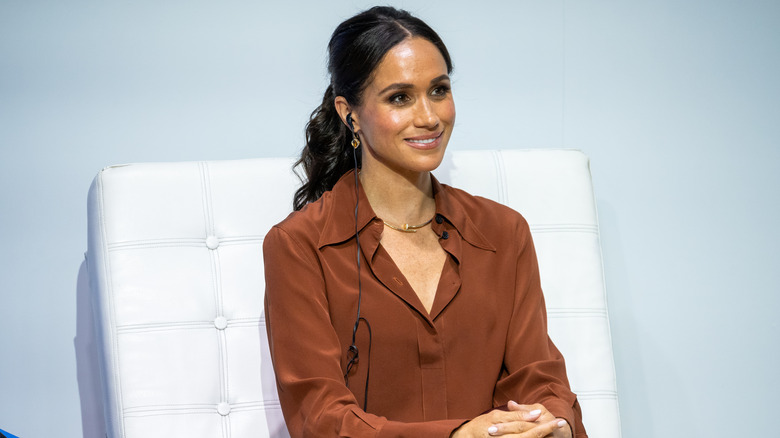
[[406, 228]]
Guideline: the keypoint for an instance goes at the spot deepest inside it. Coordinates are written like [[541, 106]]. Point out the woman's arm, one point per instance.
[[535, 372]]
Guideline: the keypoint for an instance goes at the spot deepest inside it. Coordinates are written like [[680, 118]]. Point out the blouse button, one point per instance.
[[439, 218], [445, 235]]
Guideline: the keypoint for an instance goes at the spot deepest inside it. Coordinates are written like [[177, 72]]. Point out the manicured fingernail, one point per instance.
[[492, 430], [535, 412], [562, 423]]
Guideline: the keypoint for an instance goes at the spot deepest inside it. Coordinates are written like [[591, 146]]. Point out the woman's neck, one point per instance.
[[399, 198]]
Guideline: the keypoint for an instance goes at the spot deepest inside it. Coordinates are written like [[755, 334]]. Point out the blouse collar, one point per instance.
[[450, 208]]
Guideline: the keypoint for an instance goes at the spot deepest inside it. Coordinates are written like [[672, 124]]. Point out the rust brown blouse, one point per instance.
[[484, 342]]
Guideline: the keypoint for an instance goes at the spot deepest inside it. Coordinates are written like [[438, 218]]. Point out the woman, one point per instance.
[[397, 306]]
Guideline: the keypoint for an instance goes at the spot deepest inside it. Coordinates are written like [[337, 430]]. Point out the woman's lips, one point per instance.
[[425, 141]]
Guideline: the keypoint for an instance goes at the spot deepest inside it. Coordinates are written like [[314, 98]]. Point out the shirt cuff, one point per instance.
[[560, 409]]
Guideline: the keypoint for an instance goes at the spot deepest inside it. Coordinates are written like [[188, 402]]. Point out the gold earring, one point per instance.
[[355, 139]]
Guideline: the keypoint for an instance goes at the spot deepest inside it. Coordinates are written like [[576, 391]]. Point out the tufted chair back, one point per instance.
[[177, 283]]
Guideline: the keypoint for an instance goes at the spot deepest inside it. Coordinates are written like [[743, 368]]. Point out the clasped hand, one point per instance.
[[520, 421]]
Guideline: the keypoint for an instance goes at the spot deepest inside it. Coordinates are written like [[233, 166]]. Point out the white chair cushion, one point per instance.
[[176, 273]]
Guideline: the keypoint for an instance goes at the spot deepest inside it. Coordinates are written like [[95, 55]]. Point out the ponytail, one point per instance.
[[327, 155]]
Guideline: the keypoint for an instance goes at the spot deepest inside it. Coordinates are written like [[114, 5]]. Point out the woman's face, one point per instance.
[[406, 113]]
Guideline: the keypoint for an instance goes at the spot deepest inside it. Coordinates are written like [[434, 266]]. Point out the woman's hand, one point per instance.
[[563, 431], [521, 421]]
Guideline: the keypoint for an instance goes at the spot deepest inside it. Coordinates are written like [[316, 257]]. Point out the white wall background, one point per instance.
[[676, 102]]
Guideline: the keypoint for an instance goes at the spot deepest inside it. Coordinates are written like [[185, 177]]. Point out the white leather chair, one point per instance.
[[177, 282]]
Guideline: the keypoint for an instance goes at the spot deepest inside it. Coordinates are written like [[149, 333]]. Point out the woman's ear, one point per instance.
[[345, 109]]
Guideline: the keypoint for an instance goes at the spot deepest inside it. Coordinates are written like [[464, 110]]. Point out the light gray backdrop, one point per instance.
[[676, 102]]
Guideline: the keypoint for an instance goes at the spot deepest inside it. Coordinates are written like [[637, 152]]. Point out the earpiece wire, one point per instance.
[[353, 348]]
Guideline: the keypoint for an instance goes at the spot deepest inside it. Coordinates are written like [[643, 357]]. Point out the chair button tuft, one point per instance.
[[220, 322], [212, 242], [223, 409]]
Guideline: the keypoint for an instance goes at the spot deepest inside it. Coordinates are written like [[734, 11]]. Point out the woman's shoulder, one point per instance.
[[312, 214], [306, 224], [498, 224], [484, 211]]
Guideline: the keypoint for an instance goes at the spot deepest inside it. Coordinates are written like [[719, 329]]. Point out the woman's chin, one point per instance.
[[428, 163], [425, 163]]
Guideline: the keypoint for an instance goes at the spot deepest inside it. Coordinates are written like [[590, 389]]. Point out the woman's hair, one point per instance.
[[356, 48]]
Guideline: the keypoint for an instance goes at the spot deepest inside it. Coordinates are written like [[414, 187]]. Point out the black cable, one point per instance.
[[353, 350]]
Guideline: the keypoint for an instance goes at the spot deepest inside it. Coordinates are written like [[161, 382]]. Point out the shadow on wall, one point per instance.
[[87, 371]]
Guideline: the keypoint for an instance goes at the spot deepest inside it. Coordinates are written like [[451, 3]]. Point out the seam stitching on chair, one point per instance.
[[604, 289], [498, 162], [555, 314], [178, 242], [223, 358], [247, 405], [596, 395], [158, 410], [205, 179], [564, 228], [576, 309], [240, 322], [226, 425], [111, 310], [217, 277]]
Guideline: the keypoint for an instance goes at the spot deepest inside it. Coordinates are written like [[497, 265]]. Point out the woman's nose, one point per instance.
[[425, 114]]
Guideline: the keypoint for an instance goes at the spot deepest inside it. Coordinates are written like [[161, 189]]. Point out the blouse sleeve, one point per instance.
[[306, 351], [535, 371]]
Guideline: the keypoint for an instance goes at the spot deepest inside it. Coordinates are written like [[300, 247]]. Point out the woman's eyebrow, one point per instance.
[[405, 86], [443, 77], [396, 86]]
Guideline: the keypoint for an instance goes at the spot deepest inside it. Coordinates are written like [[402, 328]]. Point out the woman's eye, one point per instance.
[[441, 90], [399, 98]]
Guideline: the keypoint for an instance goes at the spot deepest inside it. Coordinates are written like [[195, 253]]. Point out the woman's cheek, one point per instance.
[[448, 111], [396, 120], [386, 123]]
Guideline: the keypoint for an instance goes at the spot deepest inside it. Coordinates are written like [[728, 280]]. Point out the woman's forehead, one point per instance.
[[414, 61]]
